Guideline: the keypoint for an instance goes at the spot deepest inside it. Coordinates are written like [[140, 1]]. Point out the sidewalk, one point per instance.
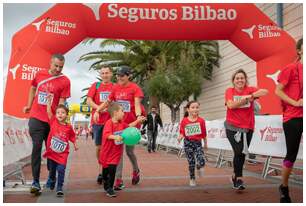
[[164, 178]]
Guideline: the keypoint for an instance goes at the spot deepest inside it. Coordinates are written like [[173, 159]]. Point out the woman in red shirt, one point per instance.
[[290, 91], [240, 121]]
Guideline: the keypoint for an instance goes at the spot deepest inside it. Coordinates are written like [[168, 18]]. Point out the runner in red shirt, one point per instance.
[[45, 82], [129, 96], [57, 148], [240, 121], [290, 91], [112, 143], [97, 94], [193, 130]]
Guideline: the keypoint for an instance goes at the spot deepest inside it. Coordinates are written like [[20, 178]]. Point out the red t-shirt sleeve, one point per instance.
[[72, 135], [107, 130], [182, 125], [34, 82], [66, 91], [228, 95], [92, 91], [52, 120], [138, 91], [203, 125], [284, 76], [253, 89]]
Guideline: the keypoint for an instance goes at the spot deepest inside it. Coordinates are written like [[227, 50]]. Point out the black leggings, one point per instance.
[[239, 157], [293, 130], [109, 176]]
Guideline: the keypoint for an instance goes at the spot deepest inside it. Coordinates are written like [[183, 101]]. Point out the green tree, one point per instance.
[[161, 62]]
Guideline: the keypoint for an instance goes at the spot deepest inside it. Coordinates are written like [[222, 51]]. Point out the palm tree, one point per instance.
[[148, 57]]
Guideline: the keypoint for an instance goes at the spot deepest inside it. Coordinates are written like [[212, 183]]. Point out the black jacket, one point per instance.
[[149, 122]]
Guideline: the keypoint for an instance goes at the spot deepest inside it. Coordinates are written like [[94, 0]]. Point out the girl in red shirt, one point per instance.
[[240, 121], [290, 91], [193, 130], [57, 148]]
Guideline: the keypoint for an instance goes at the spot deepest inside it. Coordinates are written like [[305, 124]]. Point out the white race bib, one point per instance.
[[58, 145], [104, 96], [237, 98], [193, 129], [125, 104], [118, 133], [42, 98]]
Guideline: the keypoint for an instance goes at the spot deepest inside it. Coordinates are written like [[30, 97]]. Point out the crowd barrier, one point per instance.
[[268, 139]]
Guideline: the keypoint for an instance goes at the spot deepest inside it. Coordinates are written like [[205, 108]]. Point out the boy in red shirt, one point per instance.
[[193, 130], [57, 149], [112, 145]]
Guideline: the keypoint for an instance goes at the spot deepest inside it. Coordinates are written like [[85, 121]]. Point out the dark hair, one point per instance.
[[299, 44], [186, 114], [153, 106], [61, 106], [58, 56], [113, 107], [242, 72]]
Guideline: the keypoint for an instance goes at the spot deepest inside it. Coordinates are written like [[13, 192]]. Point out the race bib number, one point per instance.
[[58, 145], [237, 98], [193, 129], [118, 133], [125, 104], [104, 96], [42, 98]]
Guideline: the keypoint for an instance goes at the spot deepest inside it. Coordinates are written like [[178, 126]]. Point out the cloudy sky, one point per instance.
[[78, 73]]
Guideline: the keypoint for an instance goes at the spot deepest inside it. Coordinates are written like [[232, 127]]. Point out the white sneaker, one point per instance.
[[192, 183], [201, 172]]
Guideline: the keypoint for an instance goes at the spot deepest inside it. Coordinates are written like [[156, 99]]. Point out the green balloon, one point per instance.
[[131, 136]]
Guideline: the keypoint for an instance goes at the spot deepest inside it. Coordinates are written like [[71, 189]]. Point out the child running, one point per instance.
[[112, 143], [193, 130], [57, 148]]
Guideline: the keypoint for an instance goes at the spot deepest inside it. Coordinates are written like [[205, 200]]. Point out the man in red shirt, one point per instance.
[[129, 96], [97, 94], [51, 82], [290, 91]]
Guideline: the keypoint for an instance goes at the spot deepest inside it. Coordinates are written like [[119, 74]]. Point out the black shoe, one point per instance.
[[111, 193], [35, 188], [149, 151], [59, 193], [237, 184], [240, 185], [284, 194], [100, 179]]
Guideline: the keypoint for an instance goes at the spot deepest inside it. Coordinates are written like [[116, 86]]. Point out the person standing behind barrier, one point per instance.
[[129, 95], [57, 148], [193, 130], [47, 82], [240, 121], [290, 90], [97, 94], [152, 122]]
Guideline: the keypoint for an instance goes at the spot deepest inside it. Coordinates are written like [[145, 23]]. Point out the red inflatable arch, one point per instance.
[[66, 25]]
